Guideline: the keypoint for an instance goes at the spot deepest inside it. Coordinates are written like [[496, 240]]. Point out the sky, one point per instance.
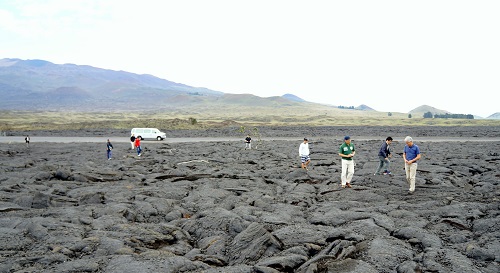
[[390, 55]]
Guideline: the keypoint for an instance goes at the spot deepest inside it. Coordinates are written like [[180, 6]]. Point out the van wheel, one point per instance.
[[159, 138]]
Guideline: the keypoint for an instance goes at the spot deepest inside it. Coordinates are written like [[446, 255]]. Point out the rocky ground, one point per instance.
[[215, 207]]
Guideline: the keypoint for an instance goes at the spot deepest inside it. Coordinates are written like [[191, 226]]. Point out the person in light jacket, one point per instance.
[[304, 154]]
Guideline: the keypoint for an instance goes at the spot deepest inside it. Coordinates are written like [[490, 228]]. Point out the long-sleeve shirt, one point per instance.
[[384, 150], [304, 149]]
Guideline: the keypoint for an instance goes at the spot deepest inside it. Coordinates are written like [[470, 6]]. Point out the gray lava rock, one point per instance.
[[215, 207]]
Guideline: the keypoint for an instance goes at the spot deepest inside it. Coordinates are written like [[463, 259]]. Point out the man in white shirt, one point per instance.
[[304, 153]]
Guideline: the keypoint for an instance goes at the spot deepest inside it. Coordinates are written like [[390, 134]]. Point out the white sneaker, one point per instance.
[[139, 155]]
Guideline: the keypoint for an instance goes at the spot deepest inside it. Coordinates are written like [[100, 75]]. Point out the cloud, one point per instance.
[[431, 50]]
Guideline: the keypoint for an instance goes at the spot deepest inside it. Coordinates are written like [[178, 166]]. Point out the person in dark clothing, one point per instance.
[[109, 147], [27, 139], [248, 142], [132, 141], [383, 155]]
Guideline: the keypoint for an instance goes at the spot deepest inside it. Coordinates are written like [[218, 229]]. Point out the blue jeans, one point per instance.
[[109, 154], [139, 150], [383, 163]]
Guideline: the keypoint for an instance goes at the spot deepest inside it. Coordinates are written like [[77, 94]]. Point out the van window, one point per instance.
[[147, 131], [139, 131]]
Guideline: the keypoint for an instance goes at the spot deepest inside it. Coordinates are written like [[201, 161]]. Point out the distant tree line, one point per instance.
[[459, 116], [345, 107]]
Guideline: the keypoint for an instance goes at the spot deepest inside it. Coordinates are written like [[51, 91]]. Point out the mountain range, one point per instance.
[[43, 85]]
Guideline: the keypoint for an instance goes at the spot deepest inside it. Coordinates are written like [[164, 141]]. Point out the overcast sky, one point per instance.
[[390, 55]]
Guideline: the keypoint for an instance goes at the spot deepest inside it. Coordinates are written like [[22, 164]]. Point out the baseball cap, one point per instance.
[[347, 137]]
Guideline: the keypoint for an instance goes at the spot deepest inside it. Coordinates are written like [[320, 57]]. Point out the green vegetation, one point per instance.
[[457, 116], [200, 118], [345, 107]]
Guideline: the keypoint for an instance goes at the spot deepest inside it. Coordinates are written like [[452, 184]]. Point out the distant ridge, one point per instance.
[[364, 107], [254, 101], [494, 116], [43, 76], [292, 98], [426, 108], [43, 85]]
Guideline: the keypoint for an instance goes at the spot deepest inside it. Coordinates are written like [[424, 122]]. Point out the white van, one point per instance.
[[144, 133]]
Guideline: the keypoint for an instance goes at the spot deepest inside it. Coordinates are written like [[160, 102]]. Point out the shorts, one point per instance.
[[304, 158]]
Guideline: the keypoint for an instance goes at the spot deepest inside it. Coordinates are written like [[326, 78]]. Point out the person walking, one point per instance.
[[383, 155], [411, 154], [27, 140], [109, 147], [137, 144], [347, 152], [304, 154], [248, 142], [132, 141]]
